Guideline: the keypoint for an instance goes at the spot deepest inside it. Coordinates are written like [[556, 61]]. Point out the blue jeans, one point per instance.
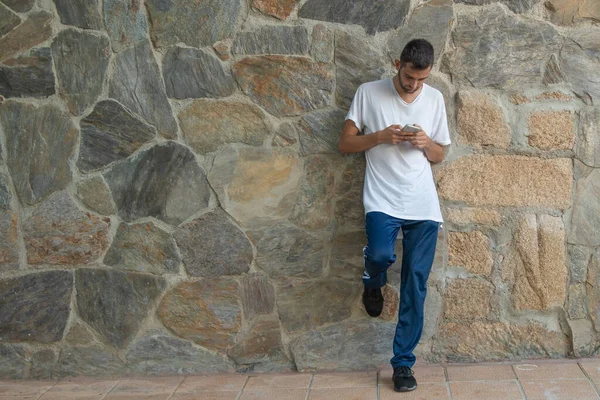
[[418, 251]]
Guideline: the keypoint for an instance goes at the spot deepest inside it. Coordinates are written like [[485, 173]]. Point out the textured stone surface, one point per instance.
[[145, 248], [19, 5], [481, 120], [577, 301], [95, 194], [39, 142], [327, 348], [42, 364], [470, 250], [283, 252], [275, 39], [156, 182], [213, 246], [391, 300], [526, 181], [357, 61], [125, 22], [261, 342], [585, 217], [517, 6], [277, 8], [110, 133], [568, 12], [255, 183], [319, 131], [552, 73], [322, 46], [88, 361], [538, 266], [258, 295], [137, 84], [9, 240], [349, 210], [587, 146], [431, 21], [286, 136], [35, 307], [314, 208], [147, 356], [552, 130], [9, 231], [478, 341], [82, 13], [487, 36], [467, 299], [5, 192], [29, 75], [578, 258], [578, 62], [194, 73], [209, 125], [81, 61], [584, 338], [8, 20], [473, 215], [593, 289], [223, 48], [207, 312], [284, 85], [80, 335], [346, 260], [374, 16], [58, 233], [35, 30], [196, 23], [13, 362], [304, 305], [116, 303]]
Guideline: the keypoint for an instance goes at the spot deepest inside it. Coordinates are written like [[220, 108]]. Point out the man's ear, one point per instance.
[[398, 64]]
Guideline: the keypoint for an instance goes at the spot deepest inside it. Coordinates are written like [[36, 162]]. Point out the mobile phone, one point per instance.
[[411, 128]]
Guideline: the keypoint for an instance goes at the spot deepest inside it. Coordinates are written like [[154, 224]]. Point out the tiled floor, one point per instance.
[[531, 380]]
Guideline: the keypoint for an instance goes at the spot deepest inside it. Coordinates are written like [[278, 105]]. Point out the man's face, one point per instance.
[[411, 79]]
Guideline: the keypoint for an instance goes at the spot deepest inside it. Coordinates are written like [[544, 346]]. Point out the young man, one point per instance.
[[399, 191]]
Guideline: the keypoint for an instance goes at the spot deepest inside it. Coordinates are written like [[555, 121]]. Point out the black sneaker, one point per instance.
[[403, 378], [373, 301]]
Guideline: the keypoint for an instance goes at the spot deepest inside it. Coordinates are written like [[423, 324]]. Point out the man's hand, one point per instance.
[[391, 135], [419, 139]]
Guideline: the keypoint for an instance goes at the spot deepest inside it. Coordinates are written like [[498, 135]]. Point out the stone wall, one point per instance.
[[172, 200]]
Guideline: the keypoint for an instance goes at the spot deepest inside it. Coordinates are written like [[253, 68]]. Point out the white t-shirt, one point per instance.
[[398, 178]]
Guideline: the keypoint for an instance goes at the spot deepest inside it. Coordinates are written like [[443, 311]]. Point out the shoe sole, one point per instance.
[[404, 389]]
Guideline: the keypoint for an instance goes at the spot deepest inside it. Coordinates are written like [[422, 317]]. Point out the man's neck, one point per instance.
[[407, 97]]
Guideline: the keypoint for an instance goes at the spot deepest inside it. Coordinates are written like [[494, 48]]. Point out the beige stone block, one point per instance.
[[391, 300], [485, 341], [552, 130], [481, 121], [567, 12], [537, 266], [507, 181], [560, 96], [470, 250], [468, 299], [473, 215], [518, 99], [252, 183]]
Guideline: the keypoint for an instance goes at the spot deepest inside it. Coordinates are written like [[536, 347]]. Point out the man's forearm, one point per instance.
[[434, 152], [358, 143]]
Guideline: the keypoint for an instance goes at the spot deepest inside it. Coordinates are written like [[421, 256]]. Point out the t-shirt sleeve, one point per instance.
[[357, 109], [440, 133]]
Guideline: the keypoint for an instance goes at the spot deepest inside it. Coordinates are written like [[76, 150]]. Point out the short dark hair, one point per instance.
[[418, 52]]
